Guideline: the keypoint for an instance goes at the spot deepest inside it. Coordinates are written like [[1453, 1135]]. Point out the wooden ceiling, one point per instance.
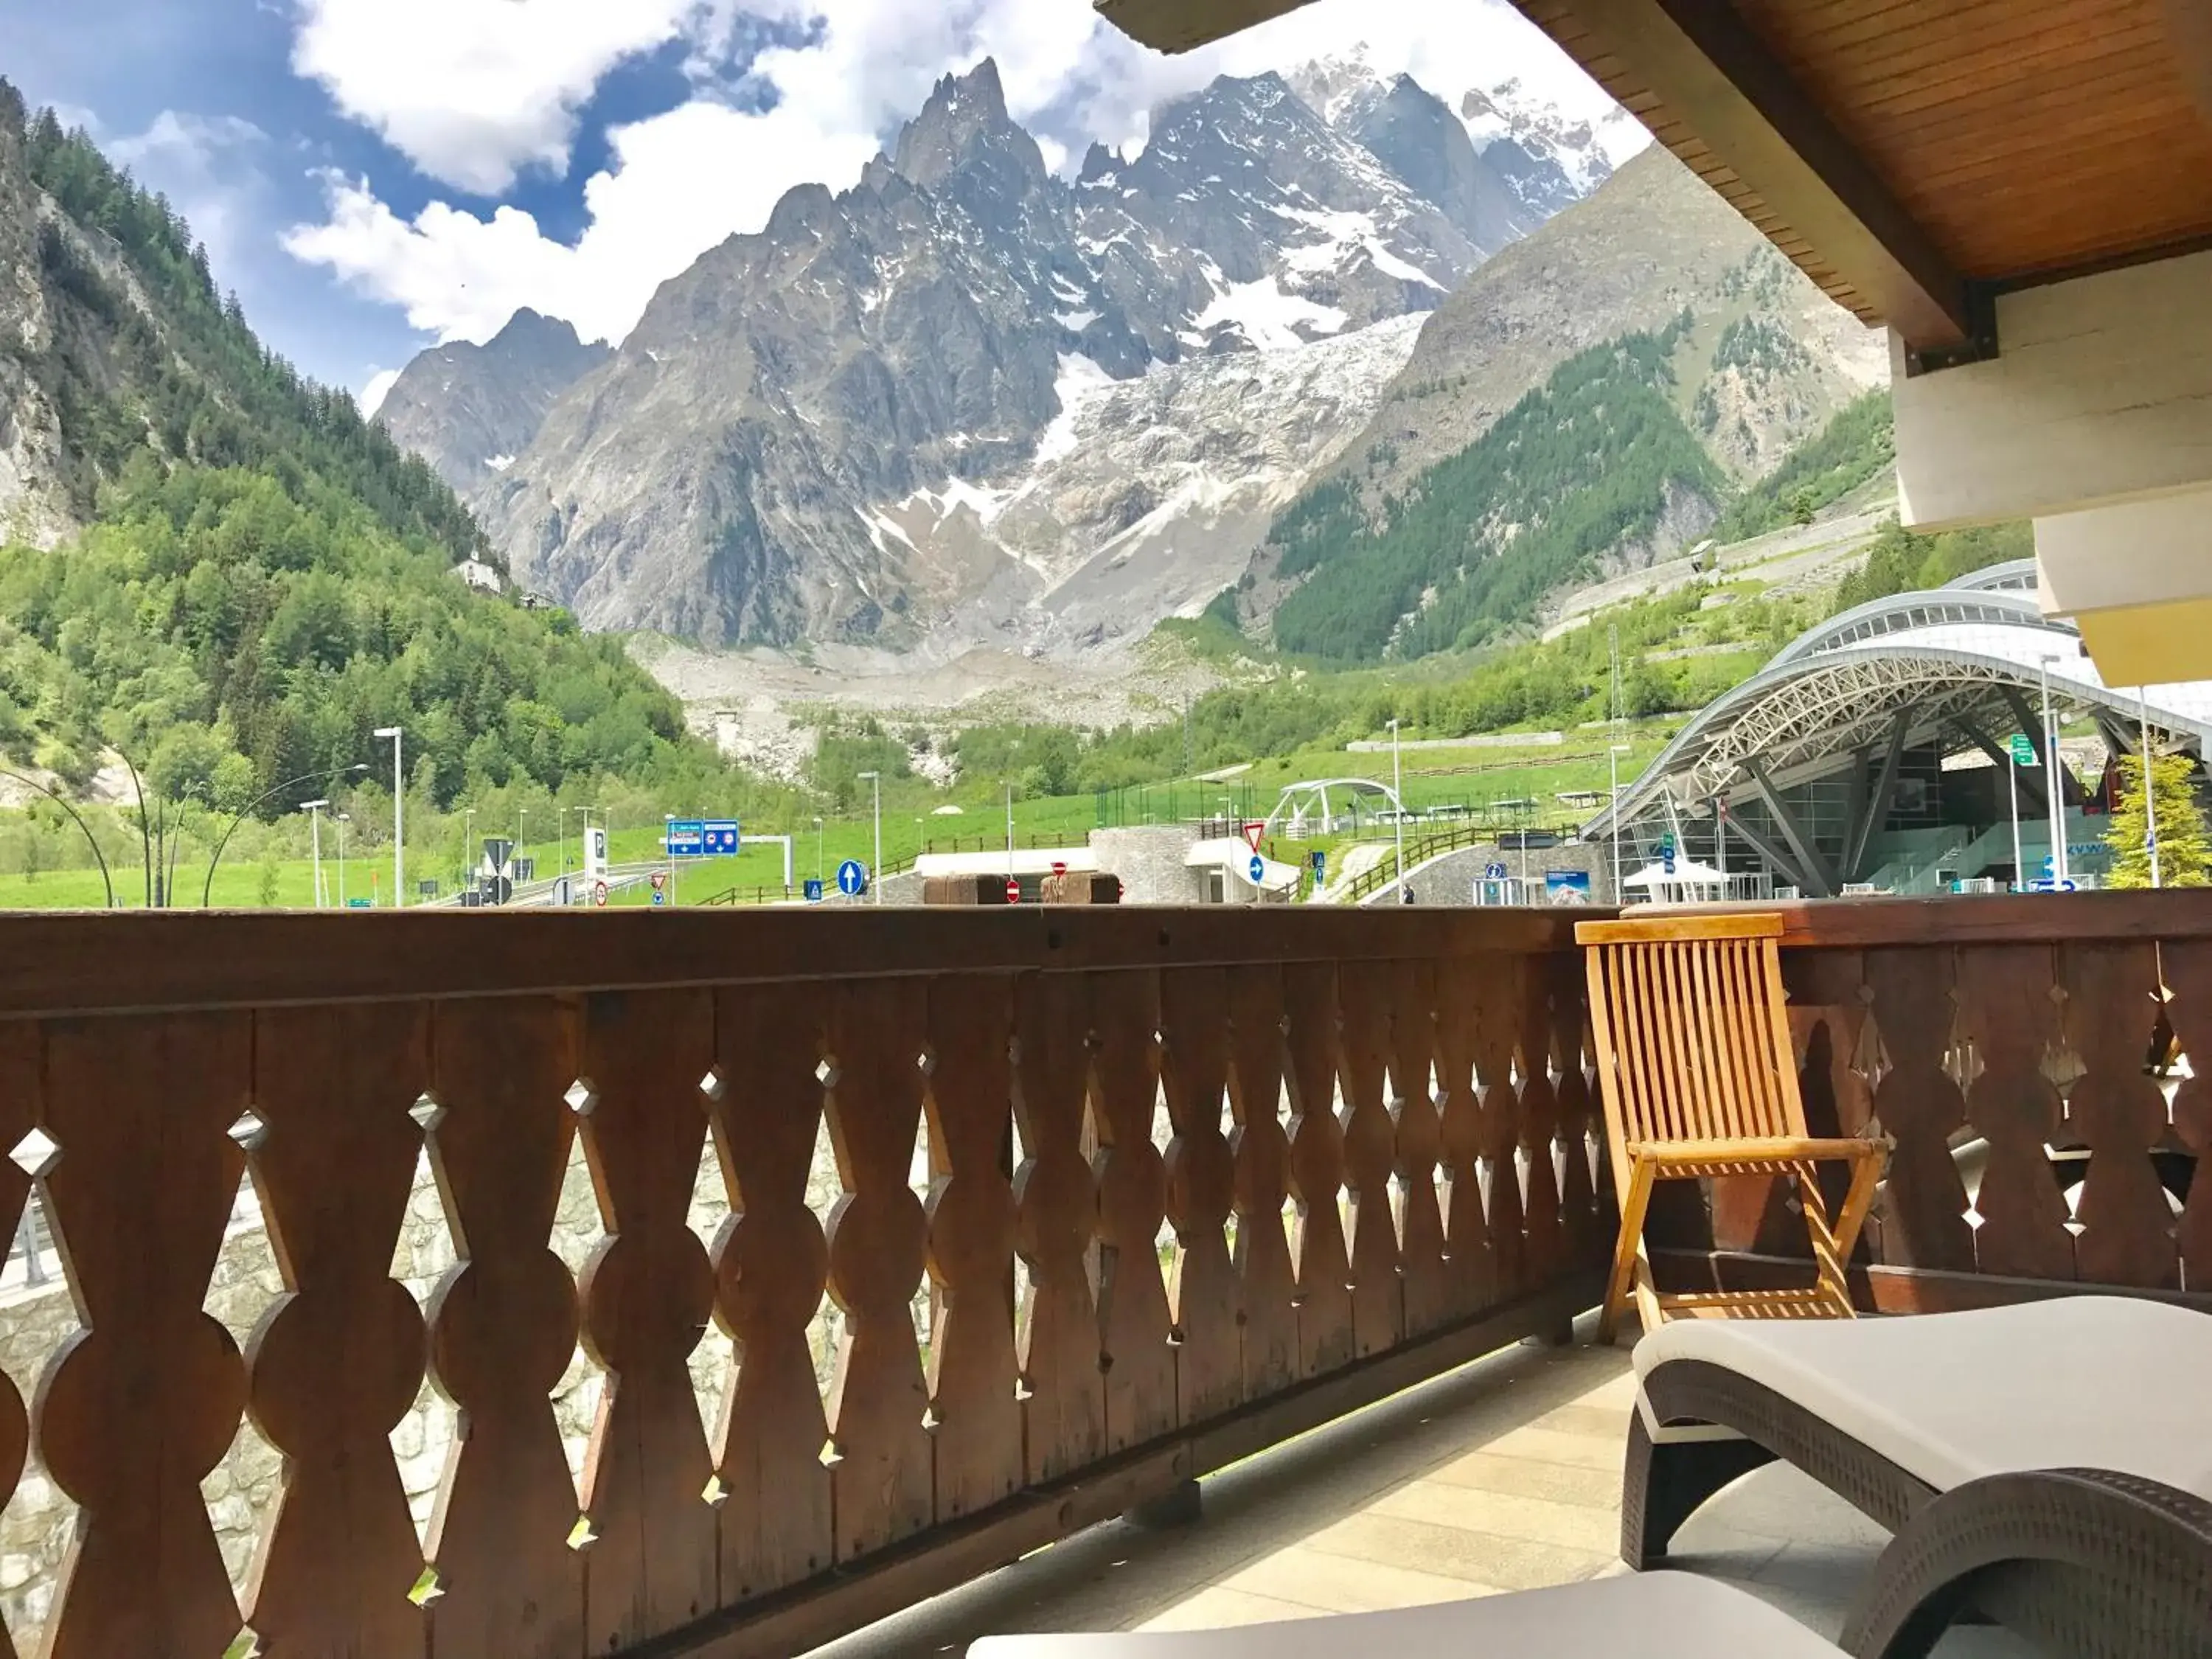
[[1915, 156]]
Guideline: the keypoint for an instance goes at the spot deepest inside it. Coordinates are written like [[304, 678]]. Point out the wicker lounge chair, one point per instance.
[[1660, 1615], [2047, 1464]]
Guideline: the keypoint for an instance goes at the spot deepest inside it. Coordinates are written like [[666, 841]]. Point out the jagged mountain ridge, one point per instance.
[[719, 475], [469, 409]]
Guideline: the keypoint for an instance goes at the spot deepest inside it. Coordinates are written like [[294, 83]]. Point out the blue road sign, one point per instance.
[[1667, 859], [1321, 866], [813, 892], [721, 838], [852, 878], [359, 904], [1494, 873], [687, 839], [1259, 869], [659, 895], [2053, 885]]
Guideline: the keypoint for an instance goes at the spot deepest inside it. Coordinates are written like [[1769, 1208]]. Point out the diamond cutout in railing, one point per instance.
[[826, 1073], [427, 1112], [36, 1154], [581, 1097], [249, 1131], [711, 1085]]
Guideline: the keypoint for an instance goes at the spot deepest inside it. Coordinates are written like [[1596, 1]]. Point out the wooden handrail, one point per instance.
[[786, 1070]]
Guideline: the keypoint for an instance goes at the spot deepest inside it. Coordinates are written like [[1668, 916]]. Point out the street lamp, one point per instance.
[[313, 809], [207, 891], [1613, 759], [817, 852], [520, 813], [1398, 801], [2054, 790], [342, 820], [98, 857], [875, 887], [399, 817]]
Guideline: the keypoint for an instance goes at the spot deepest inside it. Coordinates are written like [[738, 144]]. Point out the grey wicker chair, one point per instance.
[[2045, 1465]]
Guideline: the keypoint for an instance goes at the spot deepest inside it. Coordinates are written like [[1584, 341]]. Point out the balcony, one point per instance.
[[532, 1285]]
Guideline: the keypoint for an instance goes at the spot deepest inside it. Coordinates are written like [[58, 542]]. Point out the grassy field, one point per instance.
[[1468, 776]]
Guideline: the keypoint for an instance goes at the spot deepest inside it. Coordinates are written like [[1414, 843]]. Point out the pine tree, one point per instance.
[[2184, 846]]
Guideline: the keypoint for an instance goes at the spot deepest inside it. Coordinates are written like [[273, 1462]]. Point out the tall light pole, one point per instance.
[[313, 809], [1613, 758], [468, 845], [875, 885], [2053, 786], [521, 814], [1398, 801], [2150, 798], [817, 852], [341, 819], [2012, 798], [398, 816]]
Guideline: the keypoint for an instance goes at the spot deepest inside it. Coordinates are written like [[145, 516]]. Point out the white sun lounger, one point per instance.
[[1658, 1615]]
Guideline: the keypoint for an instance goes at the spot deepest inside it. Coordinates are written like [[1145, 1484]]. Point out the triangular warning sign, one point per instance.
[[1252, 834]]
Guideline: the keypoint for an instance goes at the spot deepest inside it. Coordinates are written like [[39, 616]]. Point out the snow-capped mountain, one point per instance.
[[785, 446], [1549, 157]]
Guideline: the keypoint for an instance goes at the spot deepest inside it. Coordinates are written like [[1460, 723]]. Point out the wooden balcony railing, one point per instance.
[[1359, 1143], [2030, 1059]]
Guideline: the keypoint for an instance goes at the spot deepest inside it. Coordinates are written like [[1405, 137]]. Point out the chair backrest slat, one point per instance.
[[1692, 1030]]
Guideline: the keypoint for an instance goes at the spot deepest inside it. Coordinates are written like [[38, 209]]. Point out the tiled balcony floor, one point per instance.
[[1504, 1475]]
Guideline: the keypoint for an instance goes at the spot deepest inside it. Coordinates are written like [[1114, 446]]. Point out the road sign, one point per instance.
[[659, 896], [2053, 885], [659, 882], [2023, 748], [687, 838], [496, 853], [1059, 868], [1013, 890], [427, 889], [1252, 834], [814, 892], [599, 894], [1494, 873], [721, 838], [563, 892], [1666, 858], [357, 904], [852, 878], [1258, 869], [1320, 865]]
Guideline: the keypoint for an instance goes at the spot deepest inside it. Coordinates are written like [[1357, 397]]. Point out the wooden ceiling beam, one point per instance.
[[1721, 81], [1182, 25]]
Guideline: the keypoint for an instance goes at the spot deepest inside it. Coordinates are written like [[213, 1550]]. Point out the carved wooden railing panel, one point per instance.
[[1409, 1090], [2040, 1065]]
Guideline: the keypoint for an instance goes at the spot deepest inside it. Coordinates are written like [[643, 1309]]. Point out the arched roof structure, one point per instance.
[[1956, 668]]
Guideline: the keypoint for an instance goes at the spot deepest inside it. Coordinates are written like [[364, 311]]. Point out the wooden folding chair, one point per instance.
[[1699, 1079]]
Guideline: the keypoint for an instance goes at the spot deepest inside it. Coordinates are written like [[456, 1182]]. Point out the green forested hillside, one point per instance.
[[1859, 445], [1589, 460], [263, 579], [187, 379], [1902, 563]]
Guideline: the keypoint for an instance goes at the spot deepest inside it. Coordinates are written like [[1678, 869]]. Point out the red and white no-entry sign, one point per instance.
[[1013, 890], [1058, 868]]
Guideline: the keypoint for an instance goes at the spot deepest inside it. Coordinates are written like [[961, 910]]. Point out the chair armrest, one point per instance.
[[2110, 1565], [1754, 1149]]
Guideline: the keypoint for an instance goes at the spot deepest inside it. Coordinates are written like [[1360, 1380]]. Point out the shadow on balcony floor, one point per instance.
[[1502, 1475]]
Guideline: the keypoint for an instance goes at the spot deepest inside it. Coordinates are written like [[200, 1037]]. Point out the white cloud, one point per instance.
[[378, 389], [473, 89]]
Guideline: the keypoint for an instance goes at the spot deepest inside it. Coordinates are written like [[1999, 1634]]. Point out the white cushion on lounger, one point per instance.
[[2095, 1381], [1653, 1615]]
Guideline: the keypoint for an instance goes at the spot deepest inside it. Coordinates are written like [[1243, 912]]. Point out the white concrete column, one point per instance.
[[2137, 581]]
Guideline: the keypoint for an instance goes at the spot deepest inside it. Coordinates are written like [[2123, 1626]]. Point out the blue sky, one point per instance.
[[377, 176]]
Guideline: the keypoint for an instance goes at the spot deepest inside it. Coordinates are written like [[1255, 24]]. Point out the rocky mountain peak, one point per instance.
[[965, 124], [1548, 156], [469, 409]]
